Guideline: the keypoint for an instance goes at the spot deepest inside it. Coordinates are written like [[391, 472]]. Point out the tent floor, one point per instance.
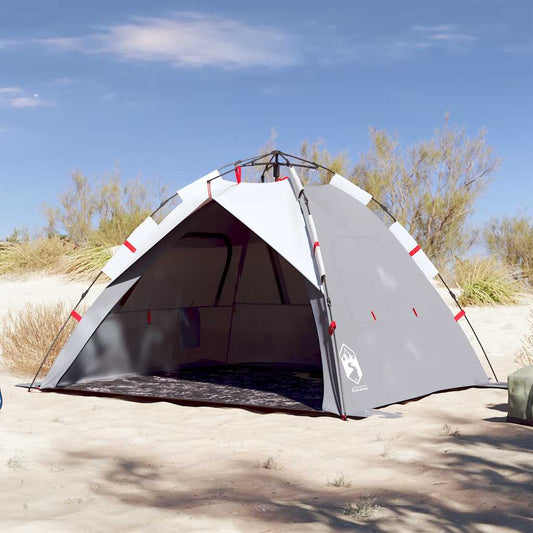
[[248, 386]]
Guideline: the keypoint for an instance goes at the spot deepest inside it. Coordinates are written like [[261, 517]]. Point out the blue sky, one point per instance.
[[172, 90]]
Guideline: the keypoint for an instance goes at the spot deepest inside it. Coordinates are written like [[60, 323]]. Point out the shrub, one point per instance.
[[269, 464], [47, 254], [524, 356], [448, 431], [340, 482], [87, 261], [28, 333], [431, 187], [511, 239], [103, 212], [485, 282], [365, 509]]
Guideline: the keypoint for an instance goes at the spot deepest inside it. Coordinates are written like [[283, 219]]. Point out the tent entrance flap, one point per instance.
[[217, 311]]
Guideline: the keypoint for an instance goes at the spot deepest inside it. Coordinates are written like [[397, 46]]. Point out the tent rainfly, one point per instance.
[[270, 295]]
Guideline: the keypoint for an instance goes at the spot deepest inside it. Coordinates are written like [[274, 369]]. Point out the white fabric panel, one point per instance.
[[408, 242], [271, 211], [197, 190], [193, 196], [143, 234], [350, 188]]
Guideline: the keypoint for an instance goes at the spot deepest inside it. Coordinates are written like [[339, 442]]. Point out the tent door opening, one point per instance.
[[230, 322]]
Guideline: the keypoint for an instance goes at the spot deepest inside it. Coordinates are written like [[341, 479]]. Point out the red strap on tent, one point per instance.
[[149, 317], [315, 246], [414, 250], [414, 311], [459, 315], [238, 174], [129, 246], [282, 179], [332, 327], [373, 315], [75, 315]]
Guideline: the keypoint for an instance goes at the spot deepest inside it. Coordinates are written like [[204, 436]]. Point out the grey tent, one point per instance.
[[269, 294]]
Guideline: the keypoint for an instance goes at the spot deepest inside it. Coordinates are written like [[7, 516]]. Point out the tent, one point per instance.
[[271, 295]]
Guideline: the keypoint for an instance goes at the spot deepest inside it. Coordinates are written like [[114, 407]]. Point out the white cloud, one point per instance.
[[18, 98], [443, 35], [438, 28], [10, 90], [187, 40], [453, 37], [65, 80]]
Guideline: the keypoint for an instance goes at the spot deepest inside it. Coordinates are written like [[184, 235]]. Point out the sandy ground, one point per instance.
[[72, 463]]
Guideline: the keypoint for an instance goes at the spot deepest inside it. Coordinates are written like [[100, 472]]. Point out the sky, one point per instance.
[[174, 89]]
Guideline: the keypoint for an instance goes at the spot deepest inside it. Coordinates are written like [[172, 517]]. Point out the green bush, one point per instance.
[[485, 282], [511, 239]]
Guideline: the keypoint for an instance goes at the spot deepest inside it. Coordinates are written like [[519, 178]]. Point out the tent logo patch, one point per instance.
[[350, 364]]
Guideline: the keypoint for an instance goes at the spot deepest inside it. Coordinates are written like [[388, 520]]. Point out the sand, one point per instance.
[[448, 462]]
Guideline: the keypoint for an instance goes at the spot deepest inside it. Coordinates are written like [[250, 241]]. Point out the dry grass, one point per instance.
[[449, 431], [340, 482], [485, 282], [38, 255], [53, 255], [365, 509], [524, 356], [269, 464], [28, 333], [87, 261]]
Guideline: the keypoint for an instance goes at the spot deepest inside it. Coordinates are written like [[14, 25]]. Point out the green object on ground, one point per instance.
[[521, 396]]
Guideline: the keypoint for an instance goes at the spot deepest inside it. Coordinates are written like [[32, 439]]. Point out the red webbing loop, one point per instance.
[[149, 317], [282, 179], [414, 311], [129, 246], [459, 315], [238, 174], [332, 327], [414, 250], [316, 245], [75, 316], [373, 315]]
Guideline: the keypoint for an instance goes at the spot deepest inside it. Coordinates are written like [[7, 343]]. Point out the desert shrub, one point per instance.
[[340, 482], [28, 333], [432, 186], [268, 464], [87, 261], [316, 151], [485, 281], [364, 509], [47, 254], [524, 356], [511, 239], [103, 212]]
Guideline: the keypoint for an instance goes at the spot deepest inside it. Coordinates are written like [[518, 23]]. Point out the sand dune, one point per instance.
[[72, 463]]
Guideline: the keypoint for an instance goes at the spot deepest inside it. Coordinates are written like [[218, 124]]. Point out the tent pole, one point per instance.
[[452, 294], [239, 272], [311, 230]]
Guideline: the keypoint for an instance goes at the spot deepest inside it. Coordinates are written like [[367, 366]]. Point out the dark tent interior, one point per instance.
[[218, 316]]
